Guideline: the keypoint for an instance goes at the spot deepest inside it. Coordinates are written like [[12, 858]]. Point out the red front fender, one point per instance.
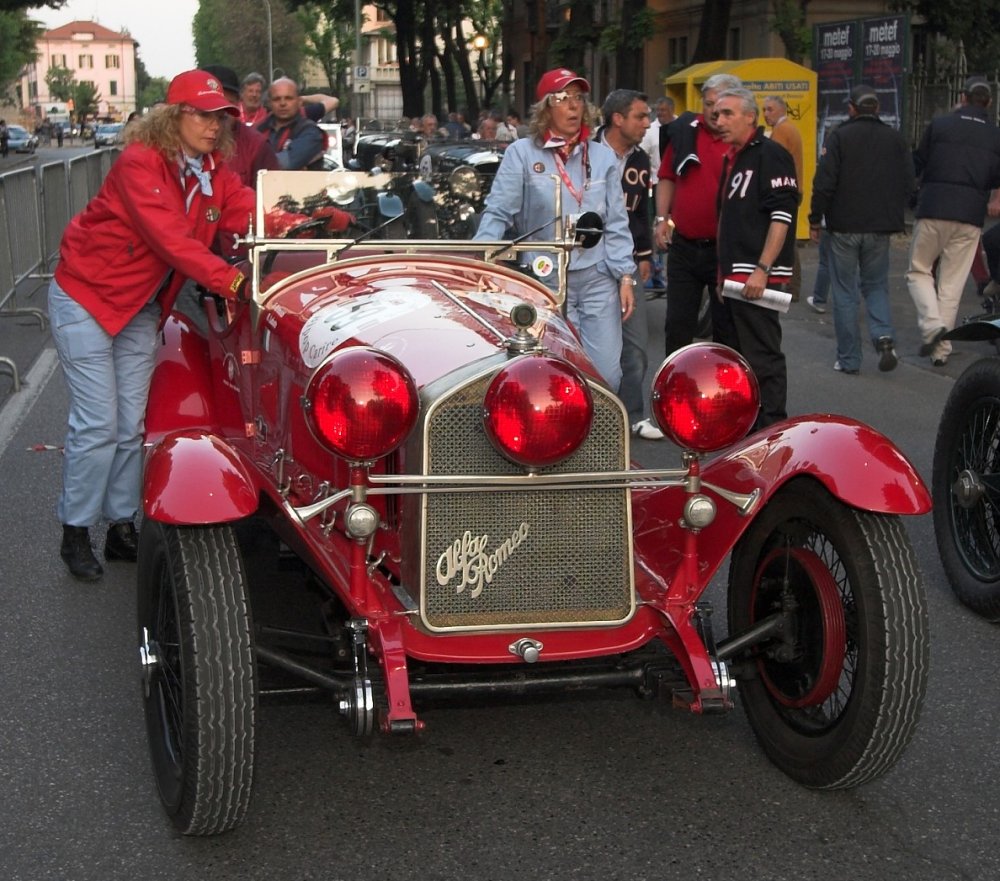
[[196, 478], [855, 463]]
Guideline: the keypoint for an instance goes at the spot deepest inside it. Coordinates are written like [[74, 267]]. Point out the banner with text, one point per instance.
[[847, 53]]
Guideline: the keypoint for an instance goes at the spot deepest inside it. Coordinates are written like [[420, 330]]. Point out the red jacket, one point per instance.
[[116, 253]]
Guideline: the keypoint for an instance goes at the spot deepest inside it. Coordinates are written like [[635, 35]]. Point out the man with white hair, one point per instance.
[[758, 201], [686, 215]]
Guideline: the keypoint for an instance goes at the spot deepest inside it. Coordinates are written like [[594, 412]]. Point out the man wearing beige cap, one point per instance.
[[958, 164]]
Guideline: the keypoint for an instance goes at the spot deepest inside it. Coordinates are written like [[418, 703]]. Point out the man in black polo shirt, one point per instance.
[[758, 201]]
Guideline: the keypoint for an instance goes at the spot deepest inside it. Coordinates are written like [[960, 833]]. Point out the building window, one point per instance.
[[677, 51], [735, 43], [113, 87], [112, 61], [86, 61], [58, 61]]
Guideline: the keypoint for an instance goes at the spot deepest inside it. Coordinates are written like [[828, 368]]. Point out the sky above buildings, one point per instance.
[[163, 29]]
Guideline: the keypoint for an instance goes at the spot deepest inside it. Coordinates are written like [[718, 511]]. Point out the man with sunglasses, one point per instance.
[[600, 291]]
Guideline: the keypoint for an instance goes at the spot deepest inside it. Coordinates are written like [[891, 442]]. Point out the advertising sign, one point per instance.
[[883, 64], [835, 65]]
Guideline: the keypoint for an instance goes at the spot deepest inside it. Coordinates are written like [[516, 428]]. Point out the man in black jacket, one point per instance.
[[758, 200], [958, 162], [862, 186], [626, 117]]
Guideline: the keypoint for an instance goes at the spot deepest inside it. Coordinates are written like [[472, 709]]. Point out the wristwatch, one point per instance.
[[659, 219], [628, 280], [764, 266]]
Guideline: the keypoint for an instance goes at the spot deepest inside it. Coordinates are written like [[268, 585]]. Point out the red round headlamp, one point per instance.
[[705, 397], [538, 410], [361, 403]]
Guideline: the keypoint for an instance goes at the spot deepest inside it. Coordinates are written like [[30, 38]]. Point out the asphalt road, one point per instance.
[[606, 787]]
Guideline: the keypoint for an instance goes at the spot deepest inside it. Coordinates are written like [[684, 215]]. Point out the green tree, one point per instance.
[[975, 22], [60, 81], [626, 39], [153, 91], [790, 24], [85, 100], [234, 33], [330, 39], [18, 36], [15, 5]]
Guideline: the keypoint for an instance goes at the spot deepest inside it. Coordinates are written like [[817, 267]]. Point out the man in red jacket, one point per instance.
[[121, 263]]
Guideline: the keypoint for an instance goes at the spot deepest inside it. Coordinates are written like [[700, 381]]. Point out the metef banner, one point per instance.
[[835, 62], [883, 63]]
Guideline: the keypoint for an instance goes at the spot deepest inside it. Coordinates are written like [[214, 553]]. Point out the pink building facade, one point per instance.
[[95, 54]]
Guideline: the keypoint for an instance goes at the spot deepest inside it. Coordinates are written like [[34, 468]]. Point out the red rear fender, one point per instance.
[[196, 478]]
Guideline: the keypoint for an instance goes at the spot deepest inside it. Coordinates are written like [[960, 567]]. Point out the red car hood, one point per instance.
[[434, 314]]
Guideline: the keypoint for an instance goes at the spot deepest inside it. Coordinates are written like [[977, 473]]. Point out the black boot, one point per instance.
[[79, 555], [121, 543]]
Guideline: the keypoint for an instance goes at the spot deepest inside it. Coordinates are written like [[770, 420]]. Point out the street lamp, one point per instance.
[[481, 43], [270, 44]]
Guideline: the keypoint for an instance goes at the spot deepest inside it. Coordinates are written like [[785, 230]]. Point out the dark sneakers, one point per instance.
[[122, 542], [887, 359], [78, 554]]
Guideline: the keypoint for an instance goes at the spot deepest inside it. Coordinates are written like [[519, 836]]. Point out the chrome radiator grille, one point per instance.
[[518, 558]]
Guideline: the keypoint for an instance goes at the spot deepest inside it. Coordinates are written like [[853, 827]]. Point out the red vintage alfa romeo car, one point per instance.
[[419, 425]]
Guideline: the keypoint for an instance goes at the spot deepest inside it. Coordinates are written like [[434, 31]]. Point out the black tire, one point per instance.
[[201, 695], [966, 453], [835, 704]]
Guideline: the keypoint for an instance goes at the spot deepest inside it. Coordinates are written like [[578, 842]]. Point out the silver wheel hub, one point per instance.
[[968, 489]]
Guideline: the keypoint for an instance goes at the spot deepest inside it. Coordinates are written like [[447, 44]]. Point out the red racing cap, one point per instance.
[[557, 80], [200, 90]]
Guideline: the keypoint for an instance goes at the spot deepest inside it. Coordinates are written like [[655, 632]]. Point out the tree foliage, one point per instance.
[[234, 33], [60, 81], [975, 22], [330, 40], [18, 35], [85, 99], [790, 24]]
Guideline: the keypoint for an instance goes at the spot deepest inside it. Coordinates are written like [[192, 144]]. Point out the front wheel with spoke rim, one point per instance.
[[834, 698], [966, 488], [198, 674]]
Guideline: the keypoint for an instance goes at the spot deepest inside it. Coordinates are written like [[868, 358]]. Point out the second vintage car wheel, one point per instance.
[[199, 678], [965, 488], [834, 700]]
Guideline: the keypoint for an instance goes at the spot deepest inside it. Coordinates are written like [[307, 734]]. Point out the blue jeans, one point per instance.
[[859, 265], [594, 309], [635, 360], [821, 290], [108, 379]]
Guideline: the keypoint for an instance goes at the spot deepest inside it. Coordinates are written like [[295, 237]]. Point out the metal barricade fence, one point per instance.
[[36, 203]]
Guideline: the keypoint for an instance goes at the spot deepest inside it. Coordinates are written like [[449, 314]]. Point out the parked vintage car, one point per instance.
[[966, 476], [452, 487], [446, 181]]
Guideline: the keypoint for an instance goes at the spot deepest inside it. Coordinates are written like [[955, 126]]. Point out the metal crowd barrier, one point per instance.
[[36, 203]]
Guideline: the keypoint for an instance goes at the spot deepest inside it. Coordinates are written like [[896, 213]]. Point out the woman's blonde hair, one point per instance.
[[540, 120], [160, 130]]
